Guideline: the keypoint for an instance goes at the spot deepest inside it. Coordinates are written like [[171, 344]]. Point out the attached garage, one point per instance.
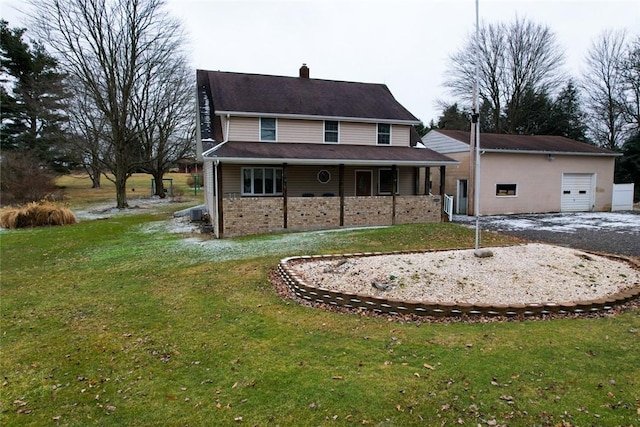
[[526, 173], [577, 192]]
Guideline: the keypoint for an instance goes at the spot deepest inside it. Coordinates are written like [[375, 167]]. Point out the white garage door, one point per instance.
[[577, 192]]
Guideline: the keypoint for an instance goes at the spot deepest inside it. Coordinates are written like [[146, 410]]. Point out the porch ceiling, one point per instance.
[[326, 154]]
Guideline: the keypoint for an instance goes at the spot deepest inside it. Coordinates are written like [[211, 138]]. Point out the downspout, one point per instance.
[[216, 229], [215, 180]]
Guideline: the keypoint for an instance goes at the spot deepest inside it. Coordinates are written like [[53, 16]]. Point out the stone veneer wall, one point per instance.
[[256, 215], [252, 215], [305, 213], [418, 209], [367, 211]]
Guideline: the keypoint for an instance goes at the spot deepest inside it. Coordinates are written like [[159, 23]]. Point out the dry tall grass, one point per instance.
[[36, 214]]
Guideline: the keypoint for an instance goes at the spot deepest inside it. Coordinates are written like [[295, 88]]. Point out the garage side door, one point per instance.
[[577, 192]]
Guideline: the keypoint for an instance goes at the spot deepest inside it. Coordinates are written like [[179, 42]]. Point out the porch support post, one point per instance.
[[218, 172], [285, 196], [427, 180], [394, 171], [341, 193], [442, 177]]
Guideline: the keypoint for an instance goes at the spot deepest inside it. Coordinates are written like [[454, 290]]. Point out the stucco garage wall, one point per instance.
[[539, 181]]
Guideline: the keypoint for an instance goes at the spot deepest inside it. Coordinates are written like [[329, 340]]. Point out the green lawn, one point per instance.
[[115, 322]]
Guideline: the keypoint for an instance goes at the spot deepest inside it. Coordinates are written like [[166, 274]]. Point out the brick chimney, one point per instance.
[[304, 71]]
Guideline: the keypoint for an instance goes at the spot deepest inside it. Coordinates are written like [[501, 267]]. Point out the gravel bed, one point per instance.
[[525, 274]]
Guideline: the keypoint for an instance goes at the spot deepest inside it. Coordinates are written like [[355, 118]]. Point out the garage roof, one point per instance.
[[529, 143]]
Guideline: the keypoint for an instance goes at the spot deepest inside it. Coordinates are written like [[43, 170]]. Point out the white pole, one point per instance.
[[476, 122]]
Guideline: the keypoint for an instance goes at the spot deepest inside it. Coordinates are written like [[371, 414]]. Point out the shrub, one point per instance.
[[36, 215], [191, 180], [23, 180]]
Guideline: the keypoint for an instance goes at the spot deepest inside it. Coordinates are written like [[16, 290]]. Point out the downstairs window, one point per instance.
[[261, 181]]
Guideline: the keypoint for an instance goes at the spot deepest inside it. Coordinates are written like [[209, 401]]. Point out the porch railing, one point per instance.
[[448, 206]]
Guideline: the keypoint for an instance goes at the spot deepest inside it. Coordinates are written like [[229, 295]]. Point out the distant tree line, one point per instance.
[[524, 89], [110, 92]]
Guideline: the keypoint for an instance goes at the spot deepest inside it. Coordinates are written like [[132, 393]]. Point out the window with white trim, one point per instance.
[[384, 134], [506, 190], [267, 129], [385, 181], [261, 181], [331, 131]]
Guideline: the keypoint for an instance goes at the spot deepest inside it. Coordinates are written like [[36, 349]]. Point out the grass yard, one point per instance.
[[114, 322], [78, 191]]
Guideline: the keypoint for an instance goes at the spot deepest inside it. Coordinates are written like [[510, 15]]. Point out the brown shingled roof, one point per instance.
[[299, 153], [528, 143], [256, 93]]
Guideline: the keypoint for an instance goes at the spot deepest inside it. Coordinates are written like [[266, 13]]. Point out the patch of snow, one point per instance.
[[559, 222]]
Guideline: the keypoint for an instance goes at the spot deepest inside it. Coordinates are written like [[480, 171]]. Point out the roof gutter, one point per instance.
[[549, 152], [329, 162], [313, 117]]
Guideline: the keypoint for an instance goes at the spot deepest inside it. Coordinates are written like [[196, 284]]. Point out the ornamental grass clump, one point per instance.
[[36, 214]]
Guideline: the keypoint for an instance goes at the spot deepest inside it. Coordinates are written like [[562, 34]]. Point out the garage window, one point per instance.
[[506, 190]]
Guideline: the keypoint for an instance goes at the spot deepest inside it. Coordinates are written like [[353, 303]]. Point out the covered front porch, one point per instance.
[[257, 195]]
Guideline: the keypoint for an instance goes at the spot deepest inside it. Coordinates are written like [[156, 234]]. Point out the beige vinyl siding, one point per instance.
[[312, 131], [209, 183], [223, 125], [358, 133], [400, 136], [304, 179], [231, 180], [305, 131], [407, 181], [245, 129]]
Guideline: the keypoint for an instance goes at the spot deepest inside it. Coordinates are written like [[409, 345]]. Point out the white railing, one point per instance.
[[448, 206]]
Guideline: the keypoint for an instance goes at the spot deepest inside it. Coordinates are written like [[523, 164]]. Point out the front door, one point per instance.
[[363, 183], [461, 208]]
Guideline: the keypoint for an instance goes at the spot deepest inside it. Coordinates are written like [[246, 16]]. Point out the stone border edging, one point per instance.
[[314, 294]]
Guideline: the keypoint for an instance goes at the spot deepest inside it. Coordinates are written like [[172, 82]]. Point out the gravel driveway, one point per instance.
[[610, 232]]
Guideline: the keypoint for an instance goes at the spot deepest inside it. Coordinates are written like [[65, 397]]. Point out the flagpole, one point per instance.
[[476, 127]]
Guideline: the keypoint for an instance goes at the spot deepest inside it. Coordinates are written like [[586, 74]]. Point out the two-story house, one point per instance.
[[296, 153]]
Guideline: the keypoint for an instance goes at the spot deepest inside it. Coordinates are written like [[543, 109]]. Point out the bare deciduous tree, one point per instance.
[[603, 86], [631, 75], [166, 116], [88, 127], [113, 48], [514, 60]]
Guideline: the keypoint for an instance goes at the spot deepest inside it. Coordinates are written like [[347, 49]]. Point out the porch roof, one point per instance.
[[326, 154]]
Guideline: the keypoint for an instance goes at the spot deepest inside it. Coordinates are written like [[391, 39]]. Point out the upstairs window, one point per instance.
[[384, 134], [331, 131], [267, 129]]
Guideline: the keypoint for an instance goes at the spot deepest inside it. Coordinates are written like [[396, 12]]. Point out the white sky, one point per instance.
[[404, 44]]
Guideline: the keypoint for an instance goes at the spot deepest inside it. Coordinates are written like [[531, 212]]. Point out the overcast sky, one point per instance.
[[404, 44]]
